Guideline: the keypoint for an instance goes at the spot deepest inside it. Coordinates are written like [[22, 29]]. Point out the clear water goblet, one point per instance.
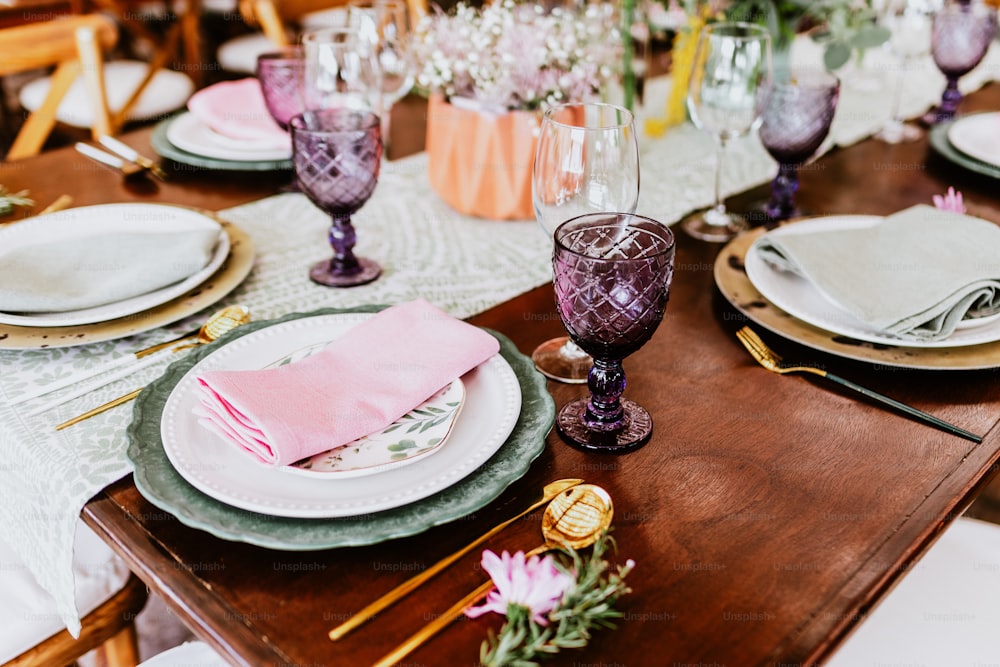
[[909, 25], [612, 275], [337, 154], [961, 33], [386, 26], [729, 81], [340, 70], [586, 161], [795, 121]]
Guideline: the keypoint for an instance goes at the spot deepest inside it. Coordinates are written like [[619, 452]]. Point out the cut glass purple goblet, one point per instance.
[[612, 275], [961, 33], [280, 76], [795, 122], [337, 154]]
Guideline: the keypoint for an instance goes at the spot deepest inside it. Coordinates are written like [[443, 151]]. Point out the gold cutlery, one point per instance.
[[575, 518], [221, 322], [550, 491], [129, 170], [62, 202], [217, 324], [132, 155], [772, 362]]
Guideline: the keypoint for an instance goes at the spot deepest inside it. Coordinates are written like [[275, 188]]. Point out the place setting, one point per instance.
[[916, 289], [64, 284]]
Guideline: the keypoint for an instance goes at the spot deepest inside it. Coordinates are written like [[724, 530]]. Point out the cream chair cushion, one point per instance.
[[240, 53], [944, 613], [28, 614], [167, 92]]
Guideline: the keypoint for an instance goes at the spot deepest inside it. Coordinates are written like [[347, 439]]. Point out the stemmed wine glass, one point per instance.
[[961, 33], [280, 76], [337, 153], [909, 25], [795, 121], [340, 70], [586, 161], [612, 275], [385, 24], [729, 78]]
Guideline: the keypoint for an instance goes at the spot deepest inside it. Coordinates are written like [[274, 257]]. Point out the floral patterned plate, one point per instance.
[[410, 438]]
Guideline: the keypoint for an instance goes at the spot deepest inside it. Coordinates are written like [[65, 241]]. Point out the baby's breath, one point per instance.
[[509, 55]]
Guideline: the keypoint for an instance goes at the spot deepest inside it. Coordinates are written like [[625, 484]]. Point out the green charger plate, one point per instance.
[[164, 148], [938, 137], [162, 485]]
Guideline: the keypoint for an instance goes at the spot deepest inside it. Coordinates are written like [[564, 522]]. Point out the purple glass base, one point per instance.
[[557, 360], [635, 431], [324, 273]]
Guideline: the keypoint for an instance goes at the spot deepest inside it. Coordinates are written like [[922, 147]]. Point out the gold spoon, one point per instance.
[[222, 321], [575, 518], [550, 491]]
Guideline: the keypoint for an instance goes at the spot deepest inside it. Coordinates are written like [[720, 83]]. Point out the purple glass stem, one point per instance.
[[783, 189], [606, 382], [342, 239]]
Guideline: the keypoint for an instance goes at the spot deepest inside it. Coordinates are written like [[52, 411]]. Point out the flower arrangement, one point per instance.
[[549, 605], [950, 201], [508, 55]]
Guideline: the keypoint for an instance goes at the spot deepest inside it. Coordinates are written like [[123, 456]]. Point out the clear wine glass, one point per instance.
[[909, 25], [961, 33], [337, 153], [612, 275], [387, 28], [729, 81], [794, 123], [586, 161], [340, 70]]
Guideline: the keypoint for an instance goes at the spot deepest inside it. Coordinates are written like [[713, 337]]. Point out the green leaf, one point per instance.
[[836, 55], [868, 37], [402, 445]]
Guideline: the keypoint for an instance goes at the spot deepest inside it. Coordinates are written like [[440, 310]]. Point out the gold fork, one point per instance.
[[770, 360]]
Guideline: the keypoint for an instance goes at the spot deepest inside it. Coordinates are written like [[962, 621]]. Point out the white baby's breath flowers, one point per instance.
[[509, 55]]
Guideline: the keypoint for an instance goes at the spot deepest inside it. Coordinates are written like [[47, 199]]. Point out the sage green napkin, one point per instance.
[[915, 275], [73, 274]]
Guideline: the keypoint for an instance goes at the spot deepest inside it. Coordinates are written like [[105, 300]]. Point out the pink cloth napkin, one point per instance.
[[236, 109], [360, 383]]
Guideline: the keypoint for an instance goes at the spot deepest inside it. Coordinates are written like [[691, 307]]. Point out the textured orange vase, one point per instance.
[[480, 163]]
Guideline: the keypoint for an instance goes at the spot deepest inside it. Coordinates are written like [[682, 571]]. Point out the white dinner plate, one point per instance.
[[798, 297], [218, 469], [110, 219], [188, 133], [978, 136]]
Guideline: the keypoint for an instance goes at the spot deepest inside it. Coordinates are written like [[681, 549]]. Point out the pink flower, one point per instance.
[[952, 201], [535, 584]]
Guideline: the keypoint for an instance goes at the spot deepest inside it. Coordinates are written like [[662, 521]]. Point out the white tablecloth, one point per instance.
[[461, 264]]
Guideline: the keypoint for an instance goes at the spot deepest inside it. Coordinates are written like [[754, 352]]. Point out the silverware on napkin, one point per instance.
[[773, 362]]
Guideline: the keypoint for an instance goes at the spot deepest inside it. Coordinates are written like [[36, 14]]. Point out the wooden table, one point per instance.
[[766, 515]]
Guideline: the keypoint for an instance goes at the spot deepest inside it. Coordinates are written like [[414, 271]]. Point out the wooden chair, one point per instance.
[[74, 46], [109, 609]]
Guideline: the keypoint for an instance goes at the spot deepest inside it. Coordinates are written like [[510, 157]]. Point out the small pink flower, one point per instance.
[[952, 201], [535, 584]]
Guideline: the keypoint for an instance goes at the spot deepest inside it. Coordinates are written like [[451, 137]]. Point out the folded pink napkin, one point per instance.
[[360, 383], [236, 109]]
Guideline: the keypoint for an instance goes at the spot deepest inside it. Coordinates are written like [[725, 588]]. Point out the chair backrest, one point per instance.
[[274, 16], [74, 45]]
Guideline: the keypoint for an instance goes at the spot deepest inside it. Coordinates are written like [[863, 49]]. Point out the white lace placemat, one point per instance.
[[461, 264]]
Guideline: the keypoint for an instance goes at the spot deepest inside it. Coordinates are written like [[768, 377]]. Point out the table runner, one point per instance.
[[461, 264]]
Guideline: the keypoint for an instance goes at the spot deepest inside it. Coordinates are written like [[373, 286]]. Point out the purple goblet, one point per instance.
[[280, 76], [961, 33], [794, 124], [612, 274], [337, 154]]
